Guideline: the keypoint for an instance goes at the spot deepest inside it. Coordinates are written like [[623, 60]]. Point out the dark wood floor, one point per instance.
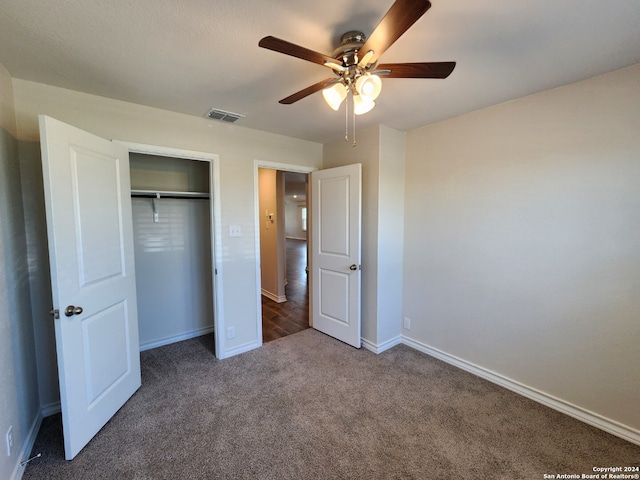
[[292, 316]]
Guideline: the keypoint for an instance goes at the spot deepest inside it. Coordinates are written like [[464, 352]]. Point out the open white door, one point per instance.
[[335, 258], [88, 206]]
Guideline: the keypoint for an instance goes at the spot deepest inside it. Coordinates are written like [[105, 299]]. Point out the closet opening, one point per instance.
[[173, 248]]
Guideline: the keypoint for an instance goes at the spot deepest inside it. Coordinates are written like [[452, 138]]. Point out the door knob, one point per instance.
[[353, 267], [71, 310]]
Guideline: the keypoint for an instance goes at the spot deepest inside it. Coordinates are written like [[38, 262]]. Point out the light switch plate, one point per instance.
[[235, 231]]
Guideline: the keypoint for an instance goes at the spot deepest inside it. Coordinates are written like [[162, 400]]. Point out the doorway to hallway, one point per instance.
[[282, 236], [292, 316]]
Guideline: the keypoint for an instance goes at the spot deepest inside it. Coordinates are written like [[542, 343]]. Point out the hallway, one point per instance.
[[292, 316]]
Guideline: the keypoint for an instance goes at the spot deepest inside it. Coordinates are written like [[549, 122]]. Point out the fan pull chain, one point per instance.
[[354, 125], [346, 120]]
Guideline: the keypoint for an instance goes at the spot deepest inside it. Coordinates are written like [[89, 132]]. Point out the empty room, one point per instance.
[[471, 182]]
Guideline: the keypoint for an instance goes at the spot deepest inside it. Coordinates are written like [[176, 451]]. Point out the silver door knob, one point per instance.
[[71, 310], [353, 267]]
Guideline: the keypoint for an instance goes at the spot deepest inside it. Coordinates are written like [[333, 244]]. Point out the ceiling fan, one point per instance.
[[355, 61]]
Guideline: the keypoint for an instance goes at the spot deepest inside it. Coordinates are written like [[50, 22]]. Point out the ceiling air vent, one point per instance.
[[223, 116]]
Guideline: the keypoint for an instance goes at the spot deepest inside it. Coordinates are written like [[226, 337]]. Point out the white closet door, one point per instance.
[[86, 186]]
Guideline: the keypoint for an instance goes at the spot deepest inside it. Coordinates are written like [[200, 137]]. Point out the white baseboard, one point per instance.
[[176, 338], [239, 349], [379, 348], [27, 446], [274, 297], [579, 413], [50, 409]]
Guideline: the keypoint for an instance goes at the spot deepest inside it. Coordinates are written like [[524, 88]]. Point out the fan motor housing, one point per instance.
[[350, 43]]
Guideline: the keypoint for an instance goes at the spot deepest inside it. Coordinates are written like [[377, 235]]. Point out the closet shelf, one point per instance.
[[168, 194]]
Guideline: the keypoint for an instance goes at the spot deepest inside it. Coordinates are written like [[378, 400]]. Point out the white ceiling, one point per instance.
[[188, 56]]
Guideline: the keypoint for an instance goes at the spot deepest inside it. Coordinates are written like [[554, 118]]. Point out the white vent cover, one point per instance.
[[223, 116]]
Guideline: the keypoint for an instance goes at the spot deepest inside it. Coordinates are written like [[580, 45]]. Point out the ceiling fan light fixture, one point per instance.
[[335, 95], [355, 61], [362, 104], [369, 86]]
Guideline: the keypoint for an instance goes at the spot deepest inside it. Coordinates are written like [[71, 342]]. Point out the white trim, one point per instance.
[[167, 151], [579, 413], [256, 242], [216, 225], [372, 347], [50, 409], [216, 222], [175, 338], [27, 446], [285, 167], [273, 296], [241, 349]]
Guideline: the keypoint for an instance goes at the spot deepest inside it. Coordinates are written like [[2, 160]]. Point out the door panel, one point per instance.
[[333, 196], [336, 207], [334, 289], [98, 215], [88, 207], [107, 361]]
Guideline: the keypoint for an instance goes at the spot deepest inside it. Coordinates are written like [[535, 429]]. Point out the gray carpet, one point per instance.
[[307, 406]]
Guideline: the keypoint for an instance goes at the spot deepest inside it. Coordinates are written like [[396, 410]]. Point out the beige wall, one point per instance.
[[7, 108], [381, 152], [293, 219], [390, 232], [521, 225], [522, 230], [367, 152], [272, 248], [237, 148], [19, 401]]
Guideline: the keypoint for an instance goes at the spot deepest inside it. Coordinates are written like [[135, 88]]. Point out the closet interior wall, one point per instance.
[[172, 244]]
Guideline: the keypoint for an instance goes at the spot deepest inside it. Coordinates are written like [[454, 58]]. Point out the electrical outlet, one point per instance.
[[231, 333], [9, 438], [406, 323]]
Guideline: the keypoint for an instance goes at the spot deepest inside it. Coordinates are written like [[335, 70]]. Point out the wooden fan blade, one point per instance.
[[308, 91], [401, 15], [417, 70], [288, 48]]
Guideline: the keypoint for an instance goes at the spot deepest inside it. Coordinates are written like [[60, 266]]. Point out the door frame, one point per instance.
[[216, 224], [283, 167]]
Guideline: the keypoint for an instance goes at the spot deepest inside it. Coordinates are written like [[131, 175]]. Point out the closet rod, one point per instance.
[[165, 194]]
